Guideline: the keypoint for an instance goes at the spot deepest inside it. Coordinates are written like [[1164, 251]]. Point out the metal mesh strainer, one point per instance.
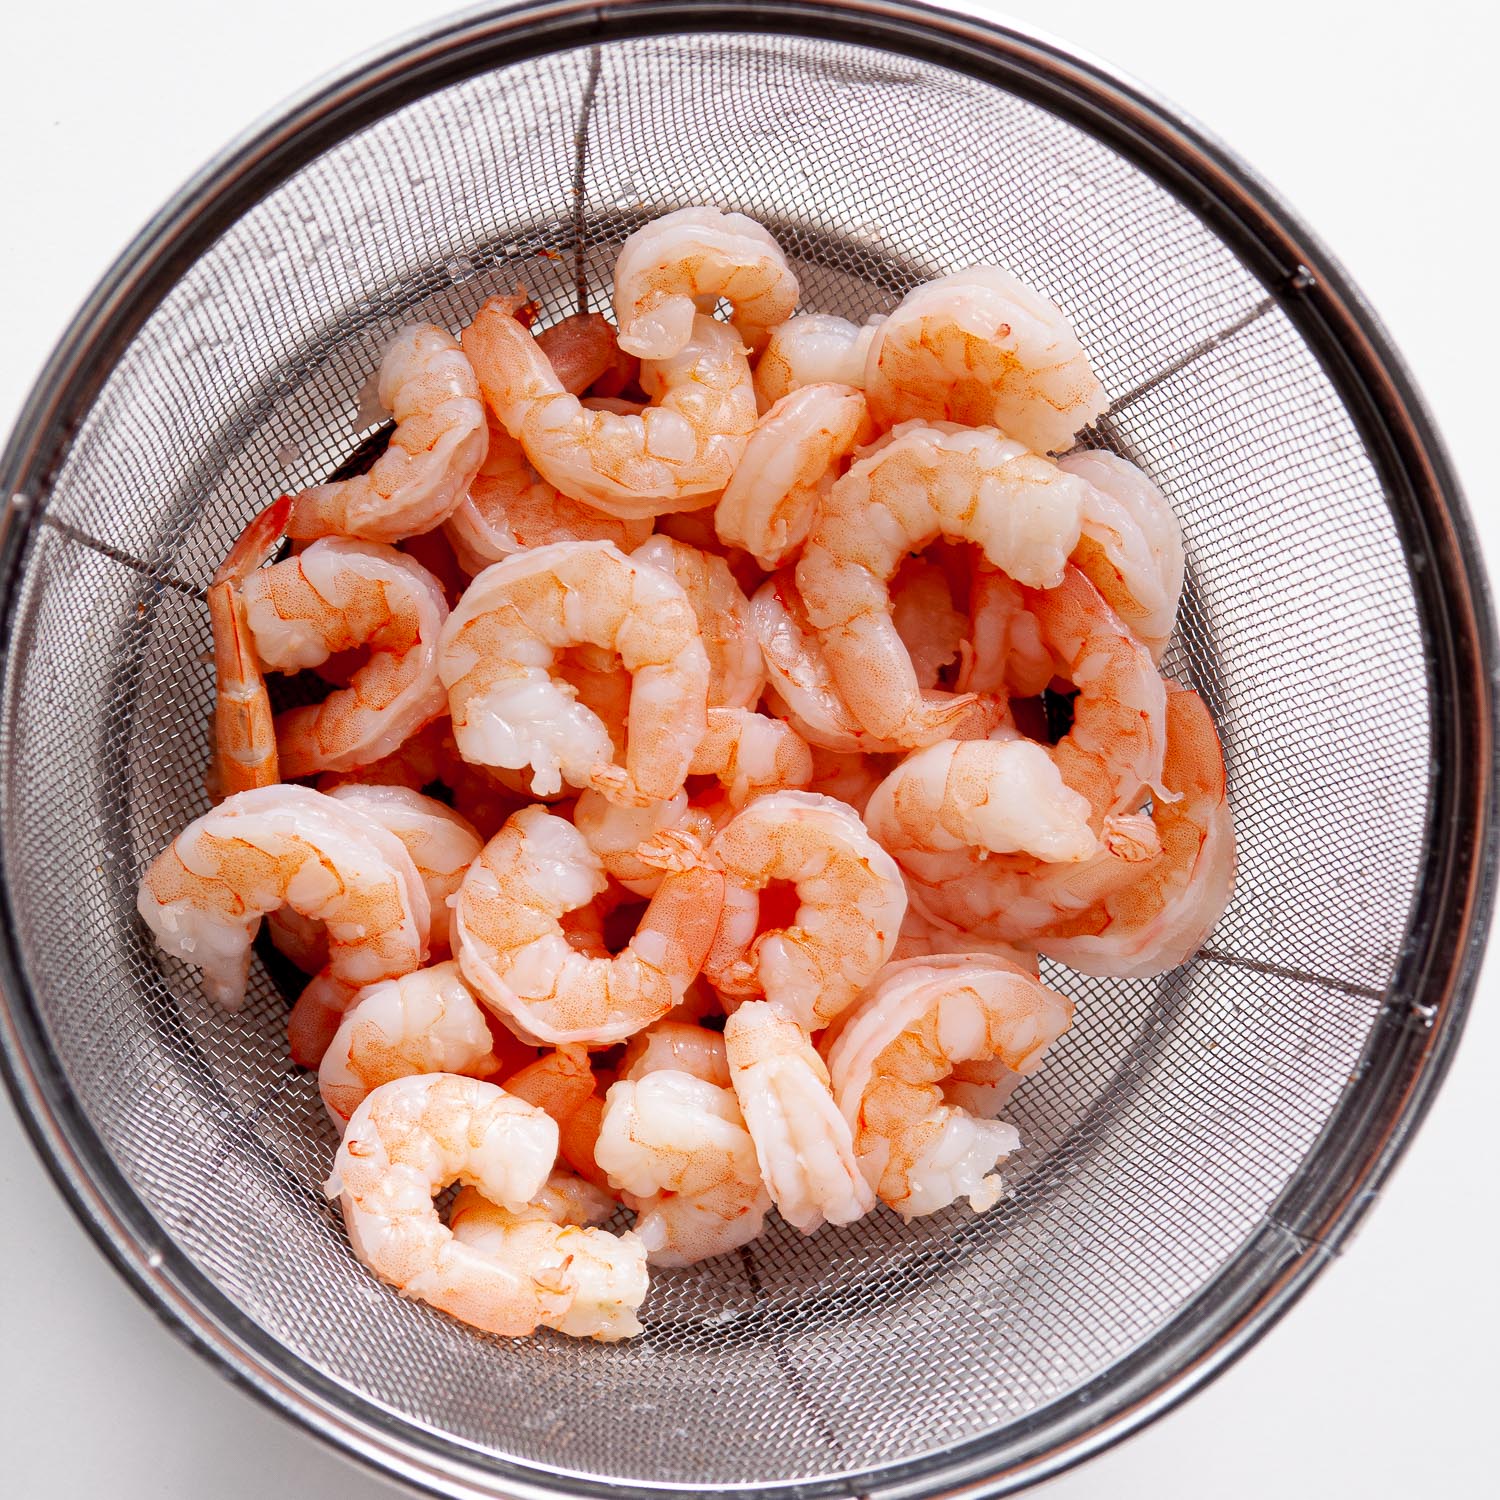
[[1198, 1146]]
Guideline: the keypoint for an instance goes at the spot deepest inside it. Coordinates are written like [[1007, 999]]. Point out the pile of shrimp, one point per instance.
[[722, 718]]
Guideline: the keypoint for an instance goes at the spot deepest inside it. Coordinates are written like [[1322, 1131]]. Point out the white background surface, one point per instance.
[[1380, 124]]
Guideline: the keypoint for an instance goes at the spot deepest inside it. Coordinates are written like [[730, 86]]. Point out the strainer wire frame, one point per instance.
[[1414, 1035]]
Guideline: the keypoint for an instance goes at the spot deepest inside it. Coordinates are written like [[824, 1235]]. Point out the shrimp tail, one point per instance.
[[615, 783], [1131, 837], [257, 543], [674, 850]]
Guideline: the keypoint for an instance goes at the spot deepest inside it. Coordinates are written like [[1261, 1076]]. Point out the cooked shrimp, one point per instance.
[[678, 266], [793, 457], [850, 903], [615, 833], [1131, 547], [934, 632], [204, 895], [442, 845], [924, 936], [926, 482], [849, 776], [244, 755], [510, 708], [677, 1147], [580, 1281], [983, 349], [435, 553], [298, 938], [514, 951], [737, 674], [752, 754], [406, 1142], [1006, 653], [677, 1047], [803, 1143], [803, 690], [811, 349], [427, 383], [1162, 914], [427, 1021], [563, 1083], [682, 447], [335, 596], [896, 1048]]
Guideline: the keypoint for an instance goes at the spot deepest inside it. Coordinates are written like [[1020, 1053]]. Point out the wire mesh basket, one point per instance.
[[1197, 1147]]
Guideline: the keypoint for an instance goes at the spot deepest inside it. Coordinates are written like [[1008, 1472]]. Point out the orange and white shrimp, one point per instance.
[[793, 457], [983, 349], [675, 455], [927, 481], [204, 896], [934, 631], [678, 266], [1161, 913], [924, 936], [811, 349], [676, 1146], [335, 596], [896, 1050], [427, 383], [803, 1143], [427, 1021], [404, 1144], [510, 707], [582, 1281], [737, 674], [442, 845], [1131, 546], [516, 954], [850, 902], [1006, 654], [678, 1047], [849, 776], [562, 1082]]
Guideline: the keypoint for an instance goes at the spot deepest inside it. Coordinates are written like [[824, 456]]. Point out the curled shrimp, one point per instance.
[[983, 349], [427, 1021], [896, 1050], [924, 936], [850, 903], [811, 349], [926, 482], [803, 1143], [427, 383], [335, 596], [515, 953], [509, 708], [244, 752], [678, 266], [677, 1147], [1131, 546], [563, 1083], [675, 455], [581, 1281], [404, 1144], [1006, 652], [1150, 916], [850, 777], [793, 457], [737, 674], [933, 630], [203, 896], [678, 1047], [442, 845]]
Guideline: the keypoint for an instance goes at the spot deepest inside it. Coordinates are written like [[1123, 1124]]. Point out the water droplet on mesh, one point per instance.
[[288, 455], [459, 267]]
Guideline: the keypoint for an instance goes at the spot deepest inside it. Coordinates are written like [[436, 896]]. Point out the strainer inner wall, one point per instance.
[[1170, 1120]]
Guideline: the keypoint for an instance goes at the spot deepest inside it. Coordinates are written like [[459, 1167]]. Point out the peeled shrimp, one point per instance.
[[1131, 547], [442, 845], [563, 1083], [897, 1047], [677, 1147], [802, 1142], [405, 1143], [425, 1022], [793, 457], [810, 349], [924, 936], [682, 447], [678, 266], [514, 951], [737, 674], [850, 903], [926, 482], [203, 897], [677, 1047], [1006, 653], [244, 754], [934, 632], [335, 596], [849, 777], [510, 708], [439, 442], [580, 1281], [983, 349]]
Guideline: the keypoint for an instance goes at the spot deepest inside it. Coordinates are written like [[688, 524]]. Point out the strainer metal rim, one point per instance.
[[1413, 1039]]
